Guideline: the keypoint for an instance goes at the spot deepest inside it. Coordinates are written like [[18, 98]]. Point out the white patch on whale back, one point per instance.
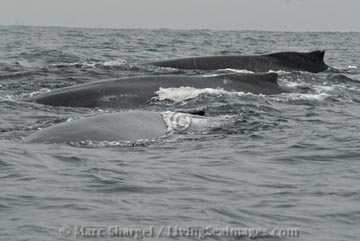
[[111, 98]]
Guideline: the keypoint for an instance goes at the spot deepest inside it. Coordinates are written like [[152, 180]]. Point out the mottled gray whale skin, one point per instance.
[[123, 126], [138, 91], [288, 61]]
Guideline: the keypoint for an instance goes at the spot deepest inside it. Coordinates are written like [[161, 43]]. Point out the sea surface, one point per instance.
[[265, 162]]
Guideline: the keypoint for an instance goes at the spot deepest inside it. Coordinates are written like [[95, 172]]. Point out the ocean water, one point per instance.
[[288, 161]]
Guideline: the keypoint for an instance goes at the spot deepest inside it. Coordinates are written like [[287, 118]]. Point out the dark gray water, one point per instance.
[[282, 161]]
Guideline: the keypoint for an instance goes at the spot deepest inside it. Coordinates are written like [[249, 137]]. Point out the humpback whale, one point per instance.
[[123, 126], [289, 61], [138, 91]]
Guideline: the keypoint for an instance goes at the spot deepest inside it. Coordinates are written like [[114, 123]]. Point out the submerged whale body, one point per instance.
[[138, 91], [123, 126], [287, 61]]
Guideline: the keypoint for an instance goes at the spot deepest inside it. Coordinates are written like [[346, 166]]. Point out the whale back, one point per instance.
[[265, 83], [136, 92], [288, 61], [123, 126], [270, 78]]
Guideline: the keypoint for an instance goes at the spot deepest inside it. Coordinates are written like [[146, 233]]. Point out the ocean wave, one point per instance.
[[18, 75]]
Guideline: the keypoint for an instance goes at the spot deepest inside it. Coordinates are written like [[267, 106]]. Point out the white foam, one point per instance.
[[298, 96], [210, 75], [117, 62], [93, 64], [186, 93], [352, 67], [40, 91], [239, 71], [251, 72], [85, 64], [7, 98], [322, 88], [280, 72], [321, 93], [70, 119], [292, 84]]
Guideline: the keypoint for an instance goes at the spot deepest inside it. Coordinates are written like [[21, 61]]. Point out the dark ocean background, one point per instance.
[[290, 160]]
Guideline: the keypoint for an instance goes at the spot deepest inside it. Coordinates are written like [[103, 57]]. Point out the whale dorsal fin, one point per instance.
[[317, 55], [199, 112]]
